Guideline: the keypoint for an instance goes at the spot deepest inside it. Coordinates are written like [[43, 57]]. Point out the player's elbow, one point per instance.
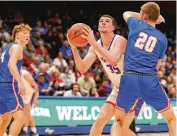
[[126, 15], [113, 62], [83, 70]]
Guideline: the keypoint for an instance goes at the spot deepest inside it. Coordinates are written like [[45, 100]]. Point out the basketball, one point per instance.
[[74, 35]]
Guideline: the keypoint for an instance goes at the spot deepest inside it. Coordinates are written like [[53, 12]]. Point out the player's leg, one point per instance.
[[32, 124], [106, 113], [116, 129], [119, 118], [4, 122], [27, 117], [5, 99], [126, 124], [170, 118], [127, 101], [19, 120], [154, 95]]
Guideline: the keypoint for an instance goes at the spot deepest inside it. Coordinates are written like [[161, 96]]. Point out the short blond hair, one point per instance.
[[152, 9], [19, 28]]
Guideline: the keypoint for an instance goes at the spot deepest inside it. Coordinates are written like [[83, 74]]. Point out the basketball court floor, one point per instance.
[[141, 134]]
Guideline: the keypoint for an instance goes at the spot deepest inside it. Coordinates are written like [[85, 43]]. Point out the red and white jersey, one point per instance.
[[114, 72]]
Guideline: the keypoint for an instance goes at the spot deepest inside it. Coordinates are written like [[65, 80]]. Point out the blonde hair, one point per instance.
[[19, 28], [152, 9]]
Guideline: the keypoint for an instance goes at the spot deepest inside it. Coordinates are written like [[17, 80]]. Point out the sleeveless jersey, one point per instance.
[[114, 72], [145, 46], [5, 75]]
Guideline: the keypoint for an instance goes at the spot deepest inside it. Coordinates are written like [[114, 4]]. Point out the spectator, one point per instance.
[[41, 50], [74, 92], [86, 83], [44, 88], [98, 80], [57, 88], [102, 91], [172, 92], [33, 66], [93, 92], [60, 62], [55, 76], [77, 74], [43, 68], [68, 78], [66, 50], [39, 27]]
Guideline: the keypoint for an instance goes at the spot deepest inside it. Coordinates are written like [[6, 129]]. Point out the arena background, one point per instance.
[[56, 114]]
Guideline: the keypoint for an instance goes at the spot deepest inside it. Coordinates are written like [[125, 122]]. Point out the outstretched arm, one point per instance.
[[128, 14]]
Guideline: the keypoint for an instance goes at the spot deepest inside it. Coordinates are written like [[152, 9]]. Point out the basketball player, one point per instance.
[[11, 84], [29, 99], [109, 49], [145, 50]]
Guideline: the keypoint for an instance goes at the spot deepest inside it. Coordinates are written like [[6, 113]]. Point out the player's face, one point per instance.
[[105, 25], [23, 36]]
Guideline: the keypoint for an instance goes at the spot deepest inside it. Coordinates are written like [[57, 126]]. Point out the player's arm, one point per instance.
[[115, 54], [31, 81], [85, 64], [15, 55], [128, 14], [160, 20], [111, 57], [159, 62], [137, 15]]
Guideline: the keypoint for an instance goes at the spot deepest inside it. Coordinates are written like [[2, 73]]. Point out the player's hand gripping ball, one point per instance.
[[74, 35]]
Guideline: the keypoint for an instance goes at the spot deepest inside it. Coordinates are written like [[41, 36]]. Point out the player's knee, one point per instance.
[[101, 120], [171, 118], [119, 121]]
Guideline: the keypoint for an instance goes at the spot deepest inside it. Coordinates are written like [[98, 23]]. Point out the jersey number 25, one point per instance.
[[146, 42]]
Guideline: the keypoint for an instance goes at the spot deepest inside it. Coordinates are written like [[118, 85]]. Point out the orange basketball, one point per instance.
[[74, 35]]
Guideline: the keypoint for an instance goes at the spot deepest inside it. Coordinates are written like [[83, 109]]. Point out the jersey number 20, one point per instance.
[[146, 42]]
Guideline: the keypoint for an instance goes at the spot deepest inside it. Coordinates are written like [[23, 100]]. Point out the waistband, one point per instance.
[[138, 73]]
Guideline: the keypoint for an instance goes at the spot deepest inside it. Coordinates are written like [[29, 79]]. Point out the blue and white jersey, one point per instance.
[[145, 46], [5, 75]]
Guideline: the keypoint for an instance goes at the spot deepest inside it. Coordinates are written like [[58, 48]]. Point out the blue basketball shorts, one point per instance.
[[10, 100], [134, 87]]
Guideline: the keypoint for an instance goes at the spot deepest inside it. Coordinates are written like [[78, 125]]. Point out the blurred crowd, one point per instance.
[[48, 57]]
